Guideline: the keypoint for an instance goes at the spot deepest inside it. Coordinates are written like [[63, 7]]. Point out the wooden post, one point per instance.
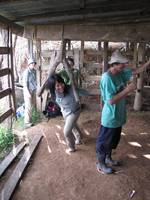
[[81, 61], [135, 62], [99, 46], [127, 46], [82, 54], [135, 55], [12, 76], [69, 45], [31, 55], [100, 51], [1, 62], [16, 76], [77, 58], [132, 46], [9, 66], [68, 70], [138, 95], [38, 73], [30, 48], [105, 57]]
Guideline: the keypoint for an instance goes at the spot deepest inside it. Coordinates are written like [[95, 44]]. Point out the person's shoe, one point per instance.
[[70, 150], [110, 161], [103, 168]]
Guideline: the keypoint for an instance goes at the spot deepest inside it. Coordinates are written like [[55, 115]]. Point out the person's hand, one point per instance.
[[131, 87]]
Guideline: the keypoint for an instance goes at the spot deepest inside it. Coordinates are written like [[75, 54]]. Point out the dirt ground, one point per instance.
[[55, 175]]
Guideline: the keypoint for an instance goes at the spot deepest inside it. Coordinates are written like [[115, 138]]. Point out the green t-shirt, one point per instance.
[[64, 76], [113, 116]]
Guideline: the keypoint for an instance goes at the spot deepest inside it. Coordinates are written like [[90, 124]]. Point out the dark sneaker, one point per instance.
[[103, 168]]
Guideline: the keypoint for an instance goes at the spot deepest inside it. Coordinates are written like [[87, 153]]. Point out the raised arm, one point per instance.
[[142, 68], [131, 87], [53, 65], [69, 72]]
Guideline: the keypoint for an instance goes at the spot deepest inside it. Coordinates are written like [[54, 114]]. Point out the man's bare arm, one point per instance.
[[131, 87]]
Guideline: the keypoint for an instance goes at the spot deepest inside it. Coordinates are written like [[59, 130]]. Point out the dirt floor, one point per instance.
[[55, 175]]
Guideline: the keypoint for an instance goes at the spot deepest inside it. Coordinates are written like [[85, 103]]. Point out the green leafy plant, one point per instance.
[[36, 115], [6, 138], [19, 123]]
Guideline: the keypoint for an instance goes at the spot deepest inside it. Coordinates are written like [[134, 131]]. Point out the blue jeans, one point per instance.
[[108, 139]]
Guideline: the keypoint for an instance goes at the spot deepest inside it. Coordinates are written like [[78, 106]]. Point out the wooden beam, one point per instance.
[[12, 77], [69, 45], [5, 50], [4, 72], [13, 180], [30, 6], [115, 33], [39, 73], [99, 45], [13, 2], [85, 9], [6, 115], [5, 92], [10, 157], [138, 101], [30, 48], [105, 57], [82, 54], [82, 4], [82, 16], [5, 23]]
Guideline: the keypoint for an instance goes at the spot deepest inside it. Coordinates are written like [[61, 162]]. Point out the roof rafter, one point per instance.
[[4, 23]]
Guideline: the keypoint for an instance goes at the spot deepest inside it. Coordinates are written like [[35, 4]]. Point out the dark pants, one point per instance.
[[108, 139]]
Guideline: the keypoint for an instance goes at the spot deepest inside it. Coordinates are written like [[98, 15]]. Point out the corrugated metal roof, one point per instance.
[[75, 11]]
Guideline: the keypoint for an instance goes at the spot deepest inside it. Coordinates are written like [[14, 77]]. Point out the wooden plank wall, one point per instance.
[[6, 115], [114, 33]]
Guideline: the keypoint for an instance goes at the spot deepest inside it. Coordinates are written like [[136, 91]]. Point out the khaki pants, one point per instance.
[[72, 132], [30, 102]]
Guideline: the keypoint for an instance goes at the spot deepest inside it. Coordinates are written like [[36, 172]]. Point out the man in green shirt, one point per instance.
[[114, 89]]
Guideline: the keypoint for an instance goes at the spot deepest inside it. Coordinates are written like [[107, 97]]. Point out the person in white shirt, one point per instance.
[[29, 91]]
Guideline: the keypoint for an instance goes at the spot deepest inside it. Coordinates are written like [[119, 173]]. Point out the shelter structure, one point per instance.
[[84, 20]]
